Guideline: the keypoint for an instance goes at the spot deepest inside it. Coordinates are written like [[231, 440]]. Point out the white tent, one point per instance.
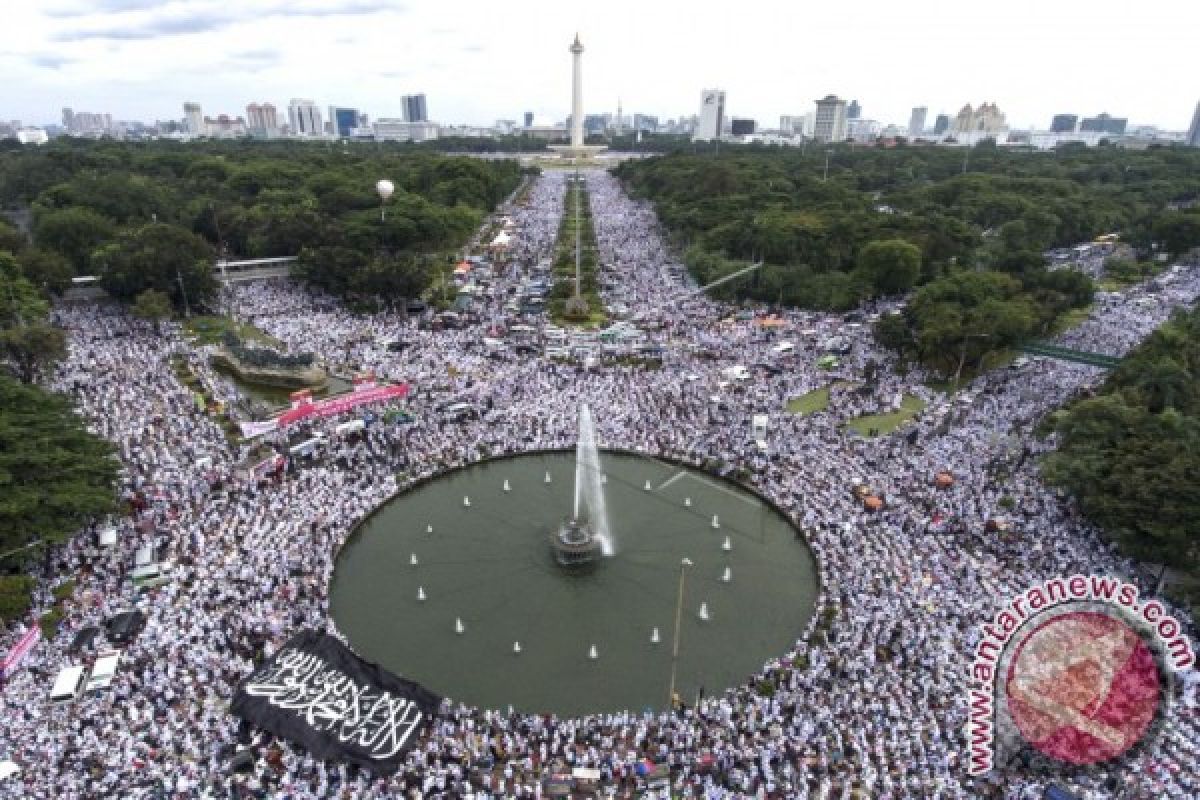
[[502, 239]]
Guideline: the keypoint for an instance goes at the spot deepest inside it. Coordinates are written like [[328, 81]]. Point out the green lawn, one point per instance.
[[210, 329], [811, 403], [910, 406], [1072, 319]]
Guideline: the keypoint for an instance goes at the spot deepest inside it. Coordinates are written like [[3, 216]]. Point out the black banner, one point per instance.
[[318, 694]]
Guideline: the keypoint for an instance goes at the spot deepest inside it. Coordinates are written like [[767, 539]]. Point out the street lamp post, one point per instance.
[[683, 565]]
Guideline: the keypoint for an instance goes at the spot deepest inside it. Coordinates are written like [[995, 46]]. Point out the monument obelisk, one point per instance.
[[576, 93], [577, 149]]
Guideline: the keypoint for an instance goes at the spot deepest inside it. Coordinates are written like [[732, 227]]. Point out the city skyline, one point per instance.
[[139, 59]]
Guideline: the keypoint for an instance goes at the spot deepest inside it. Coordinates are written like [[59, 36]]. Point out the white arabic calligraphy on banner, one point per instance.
[[329, 700]]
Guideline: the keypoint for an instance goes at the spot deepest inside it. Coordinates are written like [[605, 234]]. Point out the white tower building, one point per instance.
[[305, 118], [712, 115], [194, 119]]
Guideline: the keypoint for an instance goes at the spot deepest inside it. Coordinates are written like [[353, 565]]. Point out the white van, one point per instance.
[[737, 373], [104, 670], [783, 348], [353, 426], [68, 685], [308, 446]]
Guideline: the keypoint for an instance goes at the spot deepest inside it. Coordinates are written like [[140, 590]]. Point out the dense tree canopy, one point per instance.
[[54, 475], [166, 258], [750, 203], [956, 321], [1131, 455], [113, 208]]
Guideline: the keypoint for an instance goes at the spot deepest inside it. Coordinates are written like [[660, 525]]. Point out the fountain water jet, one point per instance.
[[413, 559], [727, 545], [429, 529], [516, 647], [421, 593], [654, 637], [716, 522], [466, 502], [727, 575], [593, 654], [590, 504], [704, 611], [507, 488], [459, 628]]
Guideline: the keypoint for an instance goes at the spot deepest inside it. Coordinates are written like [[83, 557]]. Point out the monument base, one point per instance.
[[578, 152]]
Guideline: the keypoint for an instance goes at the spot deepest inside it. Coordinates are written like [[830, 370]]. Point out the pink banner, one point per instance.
[[20, 650], [338, 405]]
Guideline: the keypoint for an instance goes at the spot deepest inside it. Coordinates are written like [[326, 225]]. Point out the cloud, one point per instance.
[[49, 60], [84, 9], [254, 60], [185, 21]]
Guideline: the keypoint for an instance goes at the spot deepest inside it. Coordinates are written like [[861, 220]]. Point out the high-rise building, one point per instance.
[[343, 120], [305, 118], [854, 110], [863, 130], [1064, 123], [1193, 135], [262, 119], [528, 119], [1103, 123], [986, 119], [193, 117], [712, 115], [645, 122], [916, 123], [741, 127], [831, 119], [225, 126], [596, 124], [68, 119], [404, 131], [414, 108], [941, 125]]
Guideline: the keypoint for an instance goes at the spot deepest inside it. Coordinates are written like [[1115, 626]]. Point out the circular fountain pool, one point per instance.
[[488, 562]]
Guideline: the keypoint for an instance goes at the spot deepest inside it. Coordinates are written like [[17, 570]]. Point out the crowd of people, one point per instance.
[[869, 703]]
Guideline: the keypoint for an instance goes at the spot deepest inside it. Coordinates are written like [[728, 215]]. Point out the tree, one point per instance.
[[11, 239], [163, 257], [152, 305], [74, 233], [54, 475], [1135, 473], [892, 266], [20, 301], [1179, 231], [46, 269], [32, 348], [957, 321]]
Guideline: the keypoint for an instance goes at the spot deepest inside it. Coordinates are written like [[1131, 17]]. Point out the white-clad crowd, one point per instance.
[[870, 703]]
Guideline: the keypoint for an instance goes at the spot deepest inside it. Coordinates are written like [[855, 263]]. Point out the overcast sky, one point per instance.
[[483, 60]]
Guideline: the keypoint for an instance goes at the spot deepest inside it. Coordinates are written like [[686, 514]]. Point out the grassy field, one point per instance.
[[910, 406], [811, 403], [210, 329]]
